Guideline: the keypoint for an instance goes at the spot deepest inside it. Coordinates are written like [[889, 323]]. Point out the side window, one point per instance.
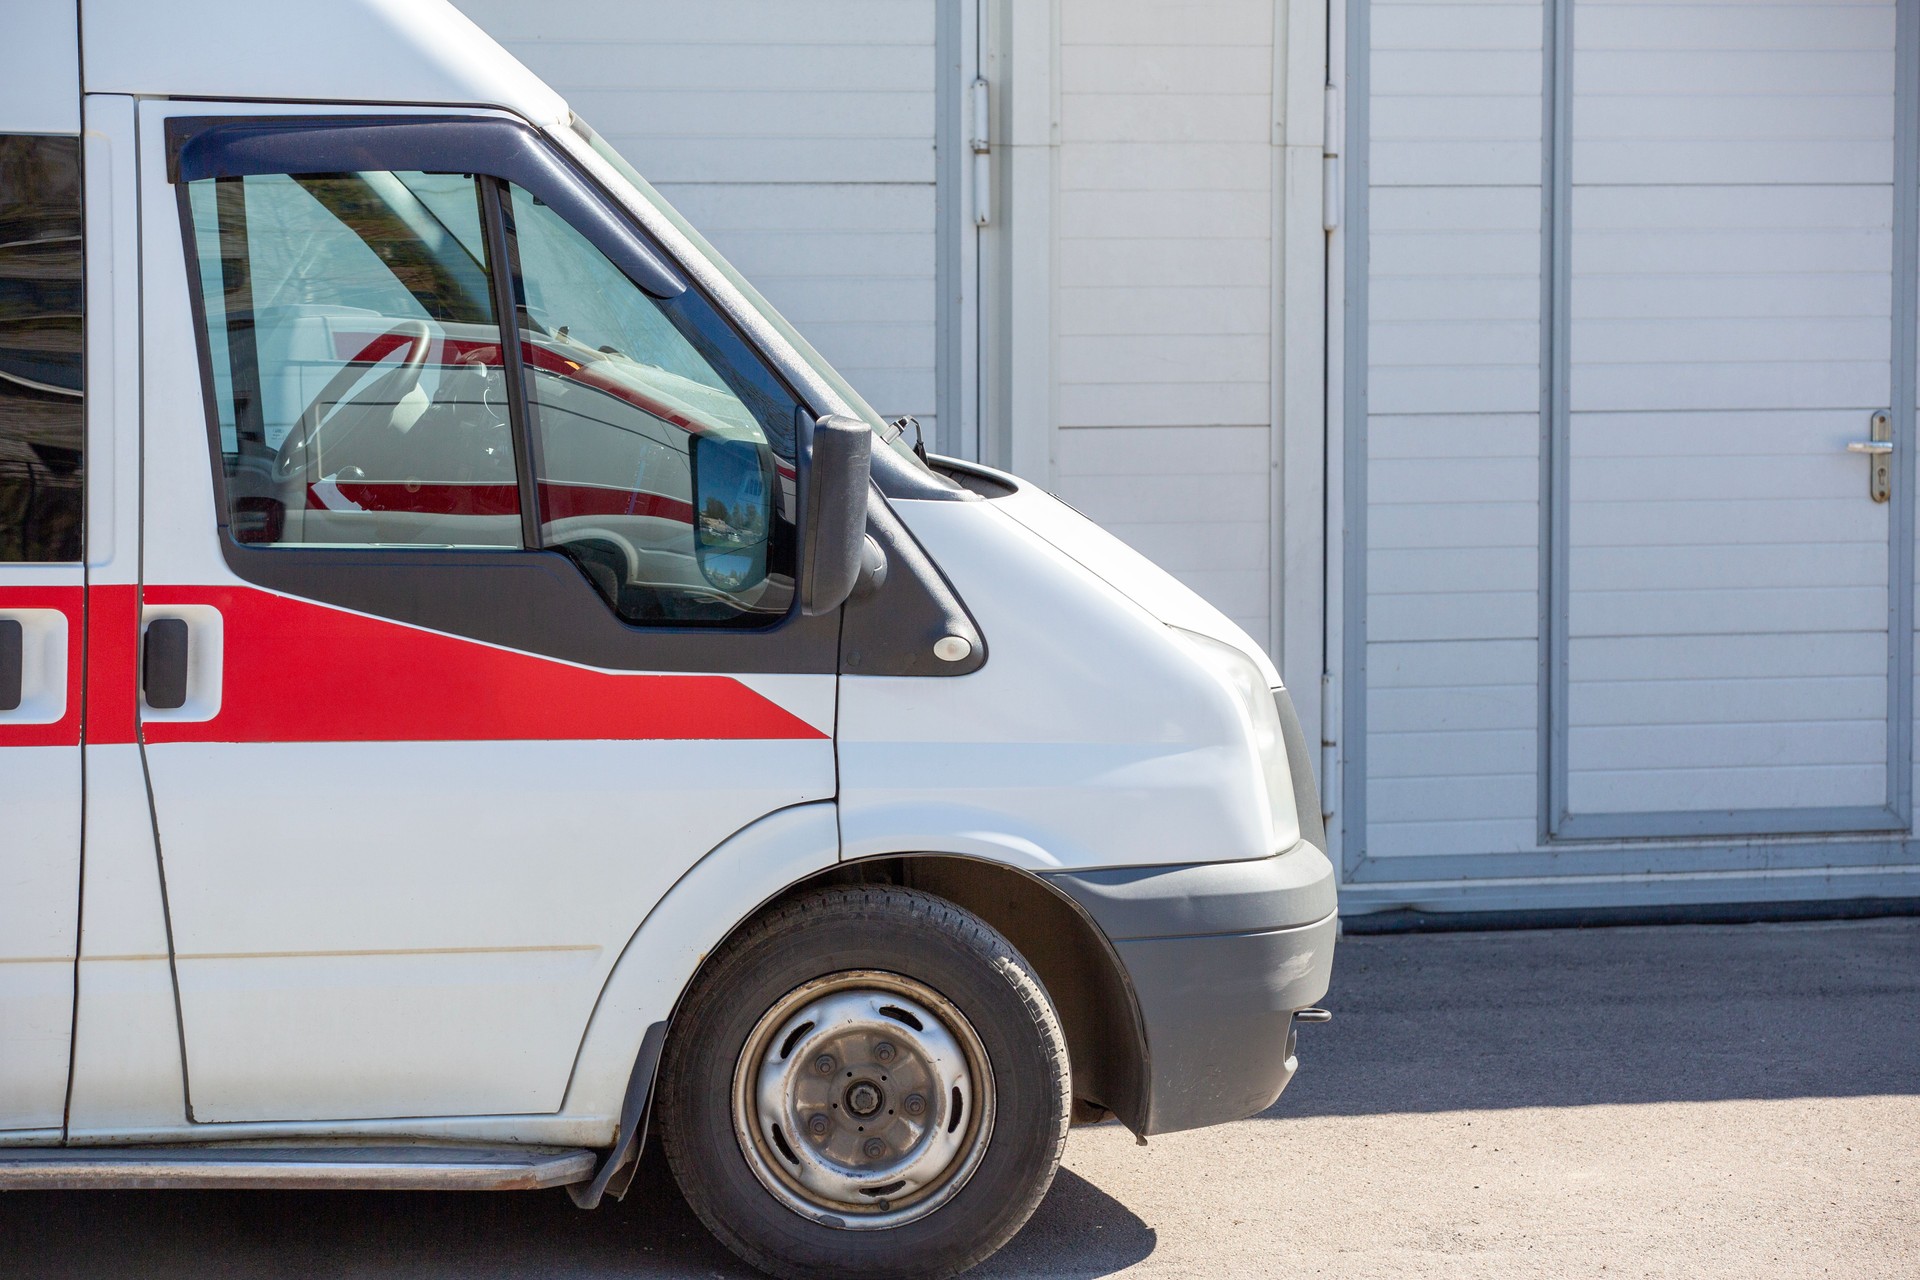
[[40, 348], [663, 446], [364, 397], [356, 360]]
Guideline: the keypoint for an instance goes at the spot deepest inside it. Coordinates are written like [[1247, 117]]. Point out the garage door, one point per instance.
[[1631, 297]]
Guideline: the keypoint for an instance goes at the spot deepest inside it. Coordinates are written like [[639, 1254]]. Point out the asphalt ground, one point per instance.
[[1686, 1101]]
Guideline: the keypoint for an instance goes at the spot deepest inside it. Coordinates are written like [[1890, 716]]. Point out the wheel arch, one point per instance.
[[791, 852]]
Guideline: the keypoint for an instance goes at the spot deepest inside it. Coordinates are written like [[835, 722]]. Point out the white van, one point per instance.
[[430, 758]]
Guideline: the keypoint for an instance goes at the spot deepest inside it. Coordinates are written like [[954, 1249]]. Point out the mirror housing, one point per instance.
[[733, 487], [833, 512]]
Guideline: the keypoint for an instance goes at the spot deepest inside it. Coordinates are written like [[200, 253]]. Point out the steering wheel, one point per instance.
[[393, 386]]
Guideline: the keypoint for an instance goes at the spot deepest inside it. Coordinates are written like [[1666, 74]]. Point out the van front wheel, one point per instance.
[[866, 1081]]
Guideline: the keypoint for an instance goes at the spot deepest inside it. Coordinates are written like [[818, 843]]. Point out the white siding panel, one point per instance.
[[1192, 499], [1164, 71], [1429, 836], [1456, 95], [1188, 166], [1453, 397], [1094, 310], [1225, 24], [1418, 800], [1758, 786], [1732, 209], [797, 135]]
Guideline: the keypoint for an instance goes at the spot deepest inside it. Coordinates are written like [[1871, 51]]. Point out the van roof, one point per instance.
[[373, 51]]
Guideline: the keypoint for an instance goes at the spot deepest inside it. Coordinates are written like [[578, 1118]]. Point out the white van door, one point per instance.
[[471, 647], [42, 585]]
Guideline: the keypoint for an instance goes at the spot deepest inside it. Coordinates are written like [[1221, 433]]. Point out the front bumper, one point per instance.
[[1220, 956]]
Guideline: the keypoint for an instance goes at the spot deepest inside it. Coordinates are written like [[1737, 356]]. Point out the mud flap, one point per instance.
[[623, 1161]]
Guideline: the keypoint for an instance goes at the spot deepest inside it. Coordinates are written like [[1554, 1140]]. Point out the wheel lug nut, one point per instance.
[[915, 1104], [818, 1126], [874, 1148], [825, 1064], [883, 1052]]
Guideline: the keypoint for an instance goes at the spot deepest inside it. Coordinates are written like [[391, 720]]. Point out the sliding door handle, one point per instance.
[[13, 663], [163, 664]]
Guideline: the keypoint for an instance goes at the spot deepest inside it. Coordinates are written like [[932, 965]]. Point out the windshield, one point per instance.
[[893, 436]]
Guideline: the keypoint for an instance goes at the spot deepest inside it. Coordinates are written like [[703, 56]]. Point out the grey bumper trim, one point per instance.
[[1219, 956], [1194, 899]]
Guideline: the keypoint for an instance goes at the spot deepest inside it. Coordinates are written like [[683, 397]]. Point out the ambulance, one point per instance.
[[478, 691]]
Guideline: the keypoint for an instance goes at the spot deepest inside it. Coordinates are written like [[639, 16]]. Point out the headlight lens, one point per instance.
[[1249, 686]]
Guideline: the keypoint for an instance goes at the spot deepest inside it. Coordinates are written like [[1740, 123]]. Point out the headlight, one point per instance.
[[1249, 686]]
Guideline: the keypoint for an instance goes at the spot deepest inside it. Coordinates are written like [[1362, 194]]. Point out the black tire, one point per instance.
[[899, 931]]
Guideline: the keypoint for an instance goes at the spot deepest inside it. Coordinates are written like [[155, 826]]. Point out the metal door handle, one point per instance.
[[163, 664], [1878, 446]]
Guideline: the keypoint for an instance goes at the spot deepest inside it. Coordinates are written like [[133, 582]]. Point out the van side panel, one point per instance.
[[41, 579]]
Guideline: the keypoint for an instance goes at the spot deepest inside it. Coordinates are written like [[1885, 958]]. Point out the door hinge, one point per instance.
[[1330, 161], [980, 143]]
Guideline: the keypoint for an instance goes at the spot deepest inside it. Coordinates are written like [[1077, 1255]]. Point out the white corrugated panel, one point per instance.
[[1732, 253], [1163, 299], [798, 135], [1453, 428]]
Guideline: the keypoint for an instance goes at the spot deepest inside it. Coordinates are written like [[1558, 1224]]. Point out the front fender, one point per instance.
[[728, 885]]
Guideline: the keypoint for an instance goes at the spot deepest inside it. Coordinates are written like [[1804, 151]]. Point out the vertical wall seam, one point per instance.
[[1902, 394], [1353, 677], [948, 149], [1277, 322], [1556, 286]]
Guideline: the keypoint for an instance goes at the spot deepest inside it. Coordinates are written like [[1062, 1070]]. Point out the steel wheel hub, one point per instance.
[[863, 1099]]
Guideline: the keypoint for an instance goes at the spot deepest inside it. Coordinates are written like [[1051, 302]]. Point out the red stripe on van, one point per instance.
[[370, 349], [297, 671], [113, 662]]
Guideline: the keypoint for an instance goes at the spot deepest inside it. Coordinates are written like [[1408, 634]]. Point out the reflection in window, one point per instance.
[[356, 361], [665, 447], [40, 348]]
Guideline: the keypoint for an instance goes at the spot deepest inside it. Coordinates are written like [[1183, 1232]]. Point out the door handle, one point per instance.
[[163, 664], [1878, 446], [13, 663]]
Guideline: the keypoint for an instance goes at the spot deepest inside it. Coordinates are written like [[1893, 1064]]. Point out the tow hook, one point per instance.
[[1315, 1014]]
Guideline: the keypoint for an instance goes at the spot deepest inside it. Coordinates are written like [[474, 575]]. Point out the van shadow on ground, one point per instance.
[[1079, 1231]]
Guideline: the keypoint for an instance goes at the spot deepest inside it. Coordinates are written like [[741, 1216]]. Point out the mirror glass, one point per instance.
[[732, 509]]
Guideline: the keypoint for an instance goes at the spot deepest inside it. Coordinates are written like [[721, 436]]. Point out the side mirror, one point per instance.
[[732, 510], [833, 513]]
